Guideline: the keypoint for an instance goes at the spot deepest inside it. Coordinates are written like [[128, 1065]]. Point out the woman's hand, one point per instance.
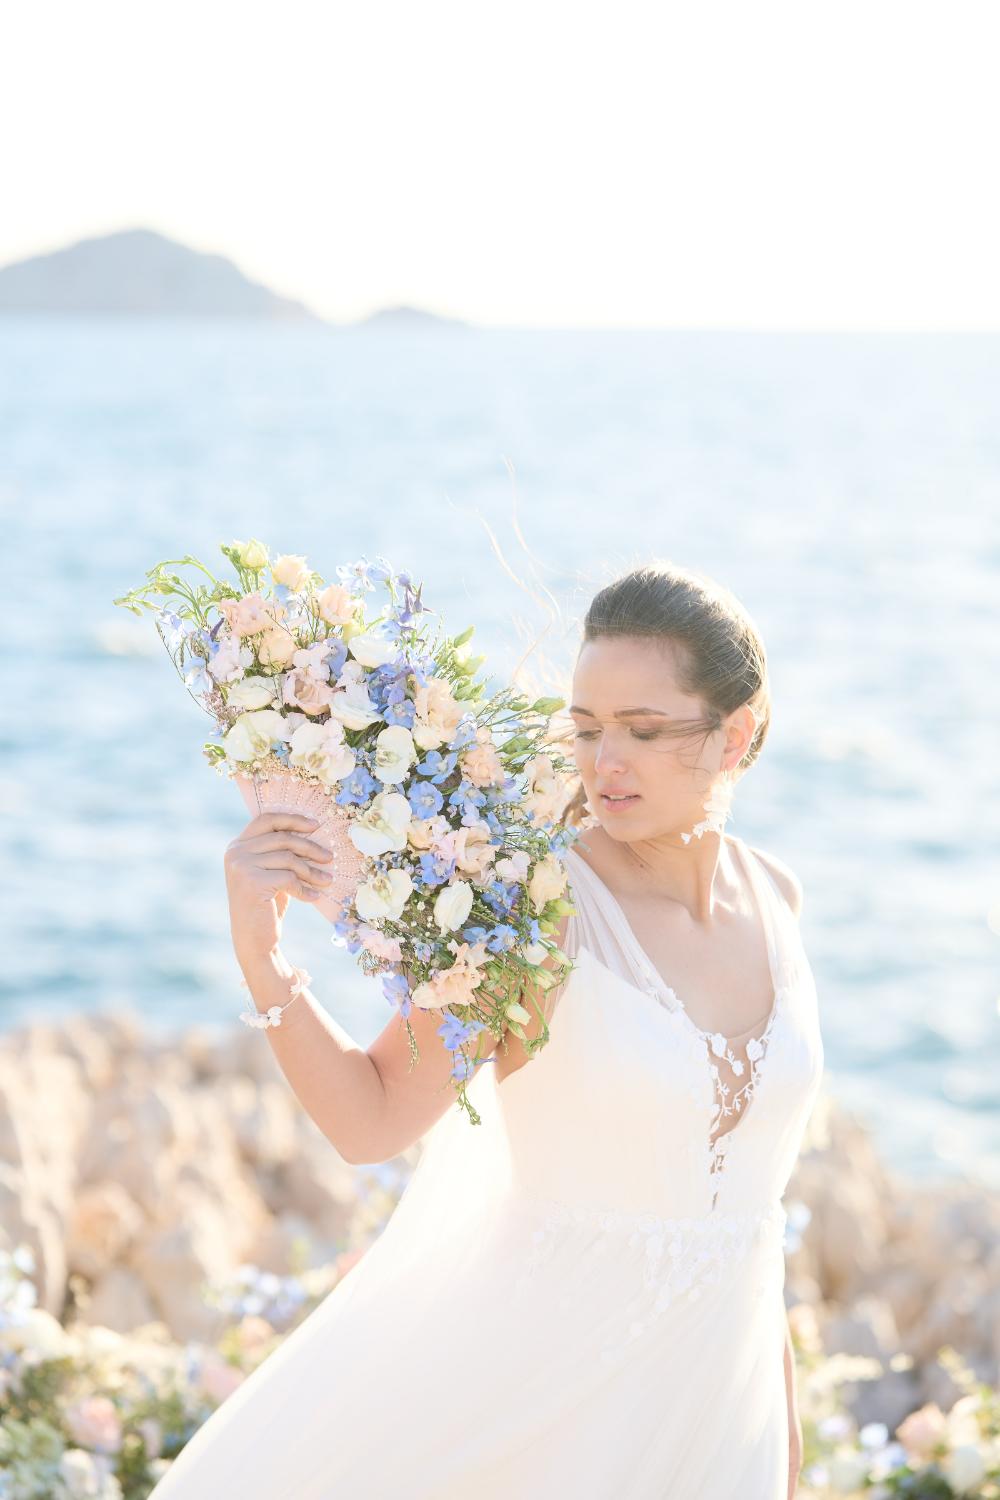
[[270, 861]]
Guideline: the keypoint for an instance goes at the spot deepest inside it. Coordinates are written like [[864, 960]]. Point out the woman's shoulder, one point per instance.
[[784, 877]]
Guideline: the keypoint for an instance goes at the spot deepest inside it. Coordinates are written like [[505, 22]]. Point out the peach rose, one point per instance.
[[481, 764], [922, 1431], [336, 605], [245, 616], [291, 570], [303, 690]]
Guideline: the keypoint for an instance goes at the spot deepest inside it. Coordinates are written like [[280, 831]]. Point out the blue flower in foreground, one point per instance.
[[425, 799], [397, 992], [399, 710], [474, 934], [356, 789]]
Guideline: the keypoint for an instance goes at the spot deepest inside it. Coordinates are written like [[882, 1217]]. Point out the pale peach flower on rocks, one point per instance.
[[481, 763], [922, 1430], [93, 1422], [245, 616], [217, 1378], [336, 605], [252, 1333]]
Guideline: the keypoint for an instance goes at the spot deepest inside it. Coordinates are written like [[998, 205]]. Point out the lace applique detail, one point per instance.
[[720, 1046], [675, 1259]]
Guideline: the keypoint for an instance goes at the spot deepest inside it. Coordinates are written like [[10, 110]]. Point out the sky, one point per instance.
[[696, 165]]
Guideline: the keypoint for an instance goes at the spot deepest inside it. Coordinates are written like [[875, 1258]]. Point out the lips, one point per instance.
[[618, 799]]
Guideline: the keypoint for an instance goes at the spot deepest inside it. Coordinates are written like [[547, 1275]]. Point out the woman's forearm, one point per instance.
[[333, 1078]]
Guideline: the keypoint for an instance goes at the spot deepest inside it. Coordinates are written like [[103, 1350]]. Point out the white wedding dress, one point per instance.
[[580, 1297]]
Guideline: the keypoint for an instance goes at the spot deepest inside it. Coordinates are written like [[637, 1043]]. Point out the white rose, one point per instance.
[[252, 554], [383, 896], [372, 649], [320, 750], [548, 880], [291, 570], [383, 825], [394, 754], [251, 693], [453, 905], [253, 734]]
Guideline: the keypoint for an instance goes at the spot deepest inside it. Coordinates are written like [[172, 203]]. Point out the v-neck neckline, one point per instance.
[[674, 1002]]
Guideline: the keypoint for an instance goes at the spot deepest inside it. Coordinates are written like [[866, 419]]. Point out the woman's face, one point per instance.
[[625, 695]]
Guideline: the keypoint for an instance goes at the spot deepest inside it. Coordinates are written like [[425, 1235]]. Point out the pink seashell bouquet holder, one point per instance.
[[285, 792]]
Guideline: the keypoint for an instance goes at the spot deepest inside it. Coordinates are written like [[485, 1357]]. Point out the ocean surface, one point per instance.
[[846, 487]]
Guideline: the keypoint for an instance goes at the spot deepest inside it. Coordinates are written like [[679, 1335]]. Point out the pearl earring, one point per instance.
[[717, 809]]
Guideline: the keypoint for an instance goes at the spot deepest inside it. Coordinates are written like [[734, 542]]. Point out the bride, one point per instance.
[[582, 1295]]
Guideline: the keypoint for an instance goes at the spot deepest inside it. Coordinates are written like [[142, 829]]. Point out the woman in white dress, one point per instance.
[[583, 1295]]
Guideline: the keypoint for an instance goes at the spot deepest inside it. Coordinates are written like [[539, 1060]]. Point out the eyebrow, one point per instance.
[[624, 713]]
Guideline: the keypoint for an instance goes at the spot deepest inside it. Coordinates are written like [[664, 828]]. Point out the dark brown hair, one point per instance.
[[716, 649]]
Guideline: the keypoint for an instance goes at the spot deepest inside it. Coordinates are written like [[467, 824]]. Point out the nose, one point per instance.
[[609, 756]]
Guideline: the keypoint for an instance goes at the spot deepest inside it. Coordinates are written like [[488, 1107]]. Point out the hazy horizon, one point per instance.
[[773, 169]]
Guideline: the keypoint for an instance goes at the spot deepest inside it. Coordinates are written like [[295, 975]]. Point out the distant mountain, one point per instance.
[[140, 271], [408, 316]]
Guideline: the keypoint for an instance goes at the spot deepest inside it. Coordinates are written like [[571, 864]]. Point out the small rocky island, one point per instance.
[[139, 272]]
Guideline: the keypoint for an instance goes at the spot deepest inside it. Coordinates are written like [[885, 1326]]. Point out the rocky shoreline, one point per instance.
[[141, 1170]]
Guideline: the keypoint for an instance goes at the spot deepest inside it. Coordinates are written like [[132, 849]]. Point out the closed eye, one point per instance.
[[589, 734]]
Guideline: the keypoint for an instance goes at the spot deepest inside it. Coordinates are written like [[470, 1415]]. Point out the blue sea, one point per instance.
[[846, 487]]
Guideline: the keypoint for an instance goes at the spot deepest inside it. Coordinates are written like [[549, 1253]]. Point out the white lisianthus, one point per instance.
[[453, 905], [535, 953], [383, 825], [351, 703], [254, 733], [394, 754], [251, 693], [372, 649], [252, 554], [384, 895], [320, 749], [548, 881], [291, 570]]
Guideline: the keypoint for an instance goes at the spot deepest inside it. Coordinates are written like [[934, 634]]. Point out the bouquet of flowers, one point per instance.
[[443, 807]]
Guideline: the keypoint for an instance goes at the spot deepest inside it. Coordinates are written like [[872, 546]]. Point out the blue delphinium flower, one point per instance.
[[425, 799], [501, 938], [437, 767], [435, 869], [397, 992], [357, 789]]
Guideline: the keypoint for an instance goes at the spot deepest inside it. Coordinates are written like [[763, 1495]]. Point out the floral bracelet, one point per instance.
[[272, 1017]]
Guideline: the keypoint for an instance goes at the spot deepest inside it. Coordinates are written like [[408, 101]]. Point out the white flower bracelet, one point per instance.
[[272, 1017]]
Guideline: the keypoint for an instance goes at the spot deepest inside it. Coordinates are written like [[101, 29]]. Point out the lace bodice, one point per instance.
[[714, 1123]]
